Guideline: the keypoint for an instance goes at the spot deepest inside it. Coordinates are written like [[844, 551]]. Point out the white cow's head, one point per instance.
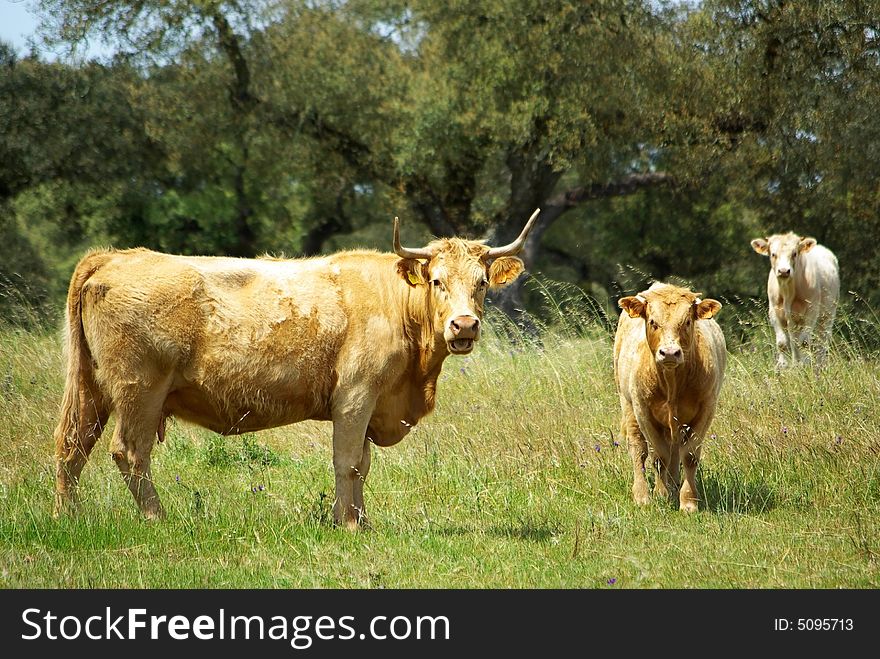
[[784, 251]]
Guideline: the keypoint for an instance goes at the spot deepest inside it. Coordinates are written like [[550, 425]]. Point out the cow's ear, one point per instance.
[[761, 246], [806, 244], [504, 270], [705, 309], [413, 271], [634, 305]]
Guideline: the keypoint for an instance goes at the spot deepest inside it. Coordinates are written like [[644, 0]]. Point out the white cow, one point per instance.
[[802, 293]]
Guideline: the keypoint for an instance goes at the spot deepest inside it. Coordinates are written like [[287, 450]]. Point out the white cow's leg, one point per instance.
[[362, 470], [780, 329], [349, 429], [822, 338], [638, 451], [801, 344], [782, 349]]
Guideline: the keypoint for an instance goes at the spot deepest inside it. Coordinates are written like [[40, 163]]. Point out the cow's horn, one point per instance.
[[516, 246], [406, 252]]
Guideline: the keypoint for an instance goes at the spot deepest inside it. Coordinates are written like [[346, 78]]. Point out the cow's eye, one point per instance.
[[653, 323], [437, 283], [484, 283]]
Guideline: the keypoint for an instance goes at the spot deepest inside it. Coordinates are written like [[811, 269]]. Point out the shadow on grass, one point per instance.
[[521, 531], [730, 493]]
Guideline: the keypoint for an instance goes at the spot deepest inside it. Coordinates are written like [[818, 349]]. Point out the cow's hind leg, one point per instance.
[[75, 437], [132, 446]]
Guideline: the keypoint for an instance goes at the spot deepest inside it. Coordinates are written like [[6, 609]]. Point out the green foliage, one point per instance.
[[221, 451], [299, 127]]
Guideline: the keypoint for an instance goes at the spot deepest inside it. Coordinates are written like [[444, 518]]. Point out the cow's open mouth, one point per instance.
[[461, 346]]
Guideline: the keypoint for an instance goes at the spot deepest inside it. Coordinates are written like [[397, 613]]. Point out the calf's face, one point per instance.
[[669, 322], [783, 250]]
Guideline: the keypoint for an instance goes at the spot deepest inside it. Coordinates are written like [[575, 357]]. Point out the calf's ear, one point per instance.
[[806, 244], [761, 246], [705, 309], [504, 270], [412, 271], [634, 305]]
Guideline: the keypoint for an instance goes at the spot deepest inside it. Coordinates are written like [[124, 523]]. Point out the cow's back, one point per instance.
[[821, 276], [711, 352], [231, 341]]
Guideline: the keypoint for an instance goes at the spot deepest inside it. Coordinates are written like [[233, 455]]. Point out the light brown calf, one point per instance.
[[669, 359]]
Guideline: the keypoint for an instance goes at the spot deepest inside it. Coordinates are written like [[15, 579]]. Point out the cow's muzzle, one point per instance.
[[670, 356], [783, 273], [461, 333]]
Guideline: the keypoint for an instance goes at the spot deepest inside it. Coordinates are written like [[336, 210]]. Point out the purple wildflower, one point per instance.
[[713, 436], [177, 478], [612, 581], [261, 487], [784, 430], [598, 448], [838, 440]]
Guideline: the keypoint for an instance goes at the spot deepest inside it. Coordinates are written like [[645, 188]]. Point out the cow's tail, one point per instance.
[[80, 417]]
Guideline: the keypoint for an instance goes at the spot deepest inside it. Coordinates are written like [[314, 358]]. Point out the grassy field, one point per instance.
[[515, 481]]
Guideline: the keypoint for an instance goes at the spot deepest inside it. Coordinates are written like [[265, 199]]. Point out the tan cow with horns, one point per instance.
[[238, 345], [669, 359]]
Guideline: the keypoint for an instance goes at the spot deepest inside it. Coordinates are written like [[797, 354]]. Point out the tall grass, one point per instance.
[[518, 479]]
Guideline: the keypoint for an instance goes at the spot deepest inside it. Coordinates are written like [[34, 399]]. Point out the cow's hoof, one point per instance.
[[689, 506], [641, 496]]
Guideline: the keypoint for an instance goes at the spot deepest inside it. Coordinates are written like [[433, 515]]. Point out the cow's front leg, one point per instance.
[[362, 470], [779, 323], [664, 483], [688, 499], [801, 341], [349, 429], [638, 451], [782, 348]]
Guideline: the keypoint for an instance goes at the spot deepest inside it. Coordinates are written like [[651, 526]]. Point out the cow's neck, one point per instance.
[[429, 352], [430, 363], [671, 383]]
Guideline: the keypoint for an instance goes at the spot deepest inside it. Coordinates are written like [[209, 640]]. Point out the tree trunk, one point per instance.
[[243, 103], [509, 299]]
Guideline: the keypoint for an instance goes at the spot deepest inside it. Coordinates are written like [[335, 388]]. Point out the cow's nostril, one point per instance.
[[464, 326]]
